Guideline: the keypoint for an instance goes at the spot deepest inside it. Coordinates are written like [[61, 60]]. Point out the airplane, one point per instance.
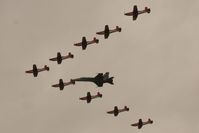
[[89, 97], [107, 31], [36, 70], [141, 123], [84, 42], [99, 80], [116, 111], [61, 84], [135, 12], [59, 58]]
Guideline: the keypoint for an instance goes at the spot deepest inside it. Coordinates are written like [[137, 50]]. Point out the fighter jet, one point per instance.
[[135, 12], [141, 123], [84, 42], [107, 31], [88, 98], [116, 111], [36, 70], [59, 58], [61, 84], [99, 80]]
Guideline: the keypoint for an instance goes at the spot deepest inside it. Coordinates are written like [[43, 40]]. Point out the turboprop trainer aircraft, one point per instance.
[[108, 31], [84, 42], [99, 80], [116, 111], [89, 97], [59, 58], [140, 123], [61, 84], [36, 70], [135, 12]]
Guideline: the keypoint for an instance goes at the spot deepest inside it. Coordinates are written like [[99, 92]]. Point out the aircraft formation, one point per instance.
[[100, 79]]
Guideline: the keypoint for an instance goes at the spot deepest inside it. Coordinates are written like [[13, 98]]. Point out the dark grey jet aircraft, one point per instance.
[[116, 111], [84, 42], [108, 31], [140, 123], [61, 84], [135, 12], [59, 58], [36, 70], [99, 80], [89, 97]]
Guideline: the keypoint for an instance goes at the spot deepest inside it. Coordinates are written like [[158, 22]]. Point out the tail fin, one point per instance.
[[46, 68], [70, 55], [118, 28], [96, 40], [99, 94], [72, 81], [148, 10], [126, 108], [150, 121]]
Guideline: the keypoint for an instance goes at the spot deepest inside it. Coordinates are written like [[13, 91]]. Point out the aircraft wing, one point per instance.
[[83, 98], [29, 71], [106, 76], [100, 33], [106, 35], [55, 85], [135, 17], [110, 112], [53, 59], [99, 79], [99, 76]]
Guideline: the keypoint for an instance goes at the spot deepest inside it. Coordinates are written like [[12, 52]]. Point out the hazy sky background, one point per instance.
[[155, 62]]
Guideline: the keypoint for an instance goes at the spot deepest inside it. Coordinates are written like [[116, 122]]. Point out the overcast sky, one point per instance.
[[155, 62]]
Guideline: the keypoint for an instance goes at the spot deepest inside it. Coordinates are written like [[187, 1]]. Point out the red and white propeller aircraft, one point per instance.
[[140, 123], [116, 111], [84, 42], [36, 70], [135, 12], [59, 57], [61, 84], [89, 97], [108, 31]]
